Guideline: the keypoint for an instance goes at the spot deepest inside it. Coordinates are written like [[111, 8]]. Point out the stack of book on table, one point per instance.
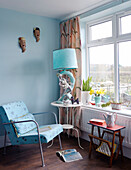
[[98, 121]]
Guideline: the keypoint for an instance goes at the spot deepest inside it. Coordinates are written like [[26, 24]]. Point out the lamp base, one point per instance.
[[68, 87]]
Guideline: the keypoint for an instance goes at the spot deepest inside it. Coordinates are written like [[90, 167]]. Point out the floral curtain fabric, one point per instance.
[[70, 38]]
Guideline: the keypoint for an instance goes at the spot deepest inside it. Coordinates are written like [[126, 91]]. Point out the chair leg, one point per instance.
[[5, 143], [41, 152], [60, 141]]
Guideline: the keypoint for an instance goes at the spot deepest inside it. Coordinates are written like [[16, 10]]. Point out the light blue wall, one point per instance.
[[28, 76]]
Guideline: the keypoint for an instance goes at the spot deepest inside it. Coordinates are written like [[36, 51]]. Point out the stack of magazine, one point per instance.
[[69, 155]]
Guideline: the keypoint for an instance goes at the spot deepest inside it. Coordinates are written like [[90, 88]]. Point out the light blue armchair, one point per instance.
[[21, 127]]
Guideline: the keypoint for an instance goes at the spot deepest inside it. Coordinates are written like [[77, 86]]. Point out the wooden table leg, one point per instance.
[[120, 142], [120, 146], [92, 130], [91, 142], [112, 154], [99, 133], [90, 148]]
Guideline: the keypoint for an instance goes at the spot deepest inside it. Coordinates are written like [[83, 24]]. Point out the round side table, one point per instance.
[[68, 126]]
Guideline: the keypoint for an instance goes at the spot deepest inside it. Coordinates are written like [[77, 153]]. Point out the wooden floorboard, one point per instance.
[[27, 157]]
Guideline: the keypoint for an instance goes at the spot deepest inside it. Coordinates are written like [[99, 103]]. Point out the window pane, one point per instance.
[[125, 71], [126, 24], [102, 67], [102, 30]]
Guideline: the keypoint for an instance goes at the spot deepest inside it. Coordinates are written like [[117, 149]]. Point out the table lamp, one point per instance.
[[63, 60]]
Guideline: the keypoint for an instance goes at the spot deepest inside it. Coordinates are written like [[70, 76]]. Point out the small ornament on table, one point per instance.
[[74, 100]]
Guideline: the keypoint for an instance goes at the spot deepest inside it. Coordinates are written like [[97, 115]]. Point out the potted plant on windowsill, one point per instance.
[[86, 87], [97, 95], [116, 105]]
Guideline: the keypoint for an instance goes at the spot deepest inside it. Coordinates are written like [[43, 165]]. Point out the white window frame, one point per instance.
[[119, 26], [90, 42], [116, 38]]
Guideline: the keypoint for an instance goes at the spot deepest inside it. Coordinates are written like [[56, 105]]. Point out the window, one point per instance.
[[125, 70], [125, 24], [109, 55], [97, 30]]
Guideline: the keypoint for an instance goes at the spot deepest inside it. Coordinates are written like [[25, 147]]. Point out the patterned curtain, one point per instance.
[[70, 38]]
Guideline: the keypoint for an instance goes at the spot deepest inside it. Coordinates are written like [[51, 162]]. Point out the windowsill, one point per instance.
[[123, 111]]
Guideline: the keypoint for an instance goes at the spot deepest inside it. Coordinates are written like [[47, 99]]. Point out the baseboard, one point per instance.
[[2, 141], [126, 151]]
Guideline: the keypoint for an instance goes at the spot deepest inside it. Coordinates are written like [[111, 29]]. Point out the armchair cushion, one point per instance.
[[47, 133], [15, 109], [22, 128]]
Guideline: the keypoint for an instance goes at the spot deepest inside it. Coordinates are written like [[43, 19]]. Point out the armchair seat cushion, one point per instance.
[[47, 133], [22, 128]]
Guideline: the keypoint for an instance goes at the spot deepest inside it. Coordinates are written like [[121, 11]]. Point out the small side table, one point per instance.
[[68, 126], [116, 129]]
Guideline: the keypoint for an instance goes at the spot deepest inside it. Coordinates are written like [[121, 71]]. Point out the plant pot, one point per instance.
[[97, 100], [116, 106], [85, 97]]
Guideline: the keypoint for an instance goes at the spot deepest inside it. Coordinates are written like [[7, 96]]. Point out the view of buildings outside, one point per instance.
[[102, 68], [125, 71], [103, 77]]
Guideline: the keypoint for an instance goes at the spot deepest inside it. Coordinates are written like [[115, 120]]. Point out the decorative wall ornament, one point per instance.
[[22, 43], [36, 32]]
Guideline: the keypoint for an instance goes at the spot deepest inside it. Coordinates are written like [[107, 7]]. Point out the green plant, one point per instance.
[[106, 104], [86, 84]]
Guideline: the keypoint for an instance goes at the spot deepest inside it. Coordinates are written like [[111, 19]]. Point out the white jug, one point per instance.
[[110, 119]]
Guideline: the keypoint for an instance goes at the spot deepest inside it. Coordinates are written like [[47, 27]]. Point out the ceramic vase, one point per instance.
[[116, 106], [97, 100], [85, 97]]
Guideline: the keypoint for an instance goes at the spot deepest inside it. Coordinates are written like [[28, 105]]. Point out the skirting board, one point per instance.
[[2, 141], [126, 151]]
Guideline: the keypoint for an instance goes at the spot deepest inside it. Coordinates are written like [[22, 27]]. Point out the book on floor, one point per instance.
[[69, 155]]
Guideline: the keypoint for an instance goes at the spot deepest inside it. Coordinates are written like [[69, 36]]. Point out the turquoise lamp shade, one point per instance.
[[64, 59]]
